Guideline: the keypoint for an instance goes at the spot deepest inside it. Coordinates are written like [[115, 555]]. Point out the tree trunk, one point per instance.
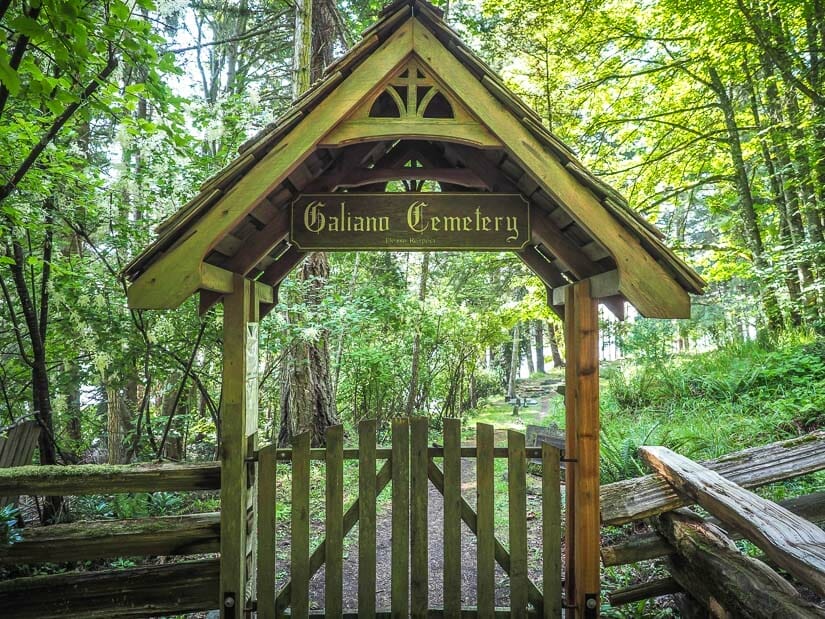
[[528, 349], [515, 362], [753, 237], [538, 325], [412, 394], [306, 393], [552, 339]]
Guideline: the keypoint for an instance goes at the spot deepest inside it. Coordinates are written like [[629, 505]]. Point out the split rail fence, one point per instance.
[[410, 465]]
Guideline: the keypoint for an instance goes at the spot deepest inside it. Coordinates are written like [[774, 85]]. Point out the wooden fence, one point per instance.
[[410, 465]]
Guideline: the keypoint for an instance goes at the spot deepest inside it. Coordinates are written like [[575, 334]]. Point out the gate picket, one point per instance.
[[366, 518], [485, 581], [266, 532], [551, 530], [400, 588], [452, 517], [299, 544], [420, 565], [517, 485], [333, 573]]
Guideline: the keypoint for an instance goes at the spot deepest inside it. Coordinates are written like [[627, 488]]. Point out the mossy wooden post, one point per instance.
[[239, 417], [581, 329]]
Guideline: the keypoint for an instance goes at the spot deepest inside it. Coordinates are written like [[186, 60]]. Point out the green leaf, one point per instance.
[[8, 76]]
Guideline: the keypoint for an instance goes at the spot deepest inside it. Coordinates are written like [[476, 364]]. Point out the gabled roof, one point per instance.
[[238, 222]]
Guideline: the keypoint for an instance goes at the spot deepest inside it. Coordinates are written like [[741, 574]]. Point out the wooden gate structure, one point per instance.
[[409, 102], [410, 465]]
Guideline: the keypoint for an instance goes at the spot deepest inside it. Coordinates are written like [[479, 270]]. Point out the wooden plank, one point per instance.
[[299, 541], [157, 590], [644, 591], [790, 541], [366, 517], [603, 285], [400, 585], [357, 131], [384, 453], [234, 448], [646, 546], [86, 540], [452, 516], [517, 507], [644, 282], [582, 427], [174, 276], [419, 524], [551, 529], [109, 479], [266, 532], [634, 499], [334, 570], [717, 574], [485, 471]]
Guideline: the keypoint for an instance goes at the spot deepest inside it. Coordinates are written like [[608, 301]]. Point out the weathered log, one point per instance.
[[634, 499], [644, 591], [102, 539], [790, 541], [105, 479], [135, 592], [646, 546], [708, 565]]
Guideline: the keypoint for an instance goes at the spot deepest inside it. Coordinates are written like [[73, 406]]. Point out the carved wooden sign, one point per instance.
[[410, 221]]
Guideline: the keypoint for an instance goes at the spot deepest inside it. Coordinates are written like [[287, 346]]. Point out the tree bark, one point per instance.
[[515, 362], [552, 339], [538, 325], [412, 394]]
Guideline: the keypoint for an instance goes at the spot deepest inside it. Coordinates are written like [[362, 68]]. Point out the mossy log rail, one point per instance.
[[169, 589], [103, 539], [644, 591], [634, 499], [790, 541], [647, 546], [711, 568], [108, 479]]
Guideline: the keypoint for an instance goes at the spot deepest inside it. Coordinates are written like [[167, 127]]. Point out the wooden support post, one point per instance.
[[239, 418], [581, 329]]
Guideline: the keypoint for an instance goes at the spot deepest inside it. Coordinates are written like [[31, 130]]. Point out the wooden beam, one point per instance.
[[710, 567], [171, 589], [581, 329], [546, 233], [103, 539], [643, 282], [644, 591], [372, 129], [790, 541], [602, 285], [647, 546], [278, 270], [635, 499], [108, 479], [455, 176], [234, 448], [174, 276]]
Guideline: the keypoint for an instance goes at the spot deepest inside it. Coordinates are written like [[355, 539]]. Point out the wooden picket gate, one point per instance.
[[408, 465]]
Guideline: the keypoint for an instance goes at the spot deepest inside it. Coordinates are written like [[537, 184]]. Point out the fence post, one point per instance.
[[517, 490], [299, 544], [400, 585], [551, 530], [419, 517], [452, 517], [266, 532], [333, 574], [485, 531]]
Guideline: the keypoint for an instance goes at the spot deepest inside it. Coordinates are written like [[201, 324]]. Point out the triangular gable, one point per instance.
[[367, 97]]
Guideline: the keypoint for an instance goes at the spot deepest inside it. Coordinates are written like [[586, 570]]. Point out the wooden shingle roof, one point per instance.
[[238, 222]]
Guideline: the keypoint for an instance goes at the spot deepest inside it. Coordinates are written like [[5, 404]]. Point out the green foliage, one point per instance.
[[9, 533]]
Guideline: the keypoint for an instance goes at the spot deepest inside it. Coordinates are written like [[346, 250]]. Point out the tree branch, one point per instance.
[[16, 55]]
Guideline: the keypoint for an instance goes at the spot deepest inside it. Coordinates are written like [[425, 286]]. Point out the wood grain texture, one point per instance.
[[485, 528], [452, 516], [299, 540], [791, 542], [517, 525], [86, 540], [266, 532], [334, 564], [419, 523], [551, 530], [366, 517], [710, 567], [647, 496], [400, 583]]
